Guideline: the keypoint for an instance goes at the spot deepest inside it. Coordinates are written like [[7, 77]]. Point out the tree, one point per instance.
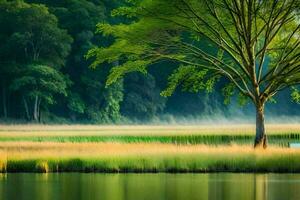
[[37, 36], [102, 104], [141, 97], [8, 72], [30, 36], [87, 96], [39, 84], [8, 66], [243, 33]]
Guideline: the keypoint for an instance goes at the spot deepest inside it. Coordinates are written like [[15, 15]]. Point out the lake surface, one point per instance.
[[85, 186]]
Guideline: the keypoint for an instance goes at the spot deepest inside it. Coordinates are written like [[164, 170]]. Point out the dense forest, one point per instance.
[[45, 76]]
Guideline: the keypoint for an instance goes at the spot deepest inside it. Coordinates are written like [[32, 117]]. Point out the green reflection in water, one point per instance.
[[80, 186]]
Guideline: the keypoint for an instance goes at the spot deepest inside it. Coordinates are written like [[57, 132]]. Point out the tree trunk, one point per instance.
[[26, 108], [260, 138], [35, 109], [4, 102], [39, 110]]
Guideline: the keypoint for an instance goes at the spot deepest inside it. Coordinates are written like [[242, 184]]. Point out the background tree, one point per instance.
[[142, 101], [39, 84], [243, 33], [87, 94], [103, 104], [37, 36], [31, 37], [8, 67]]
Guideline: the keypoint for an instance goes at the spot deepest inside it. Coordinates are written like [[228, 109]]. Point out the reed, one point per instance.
[[215, 135], [226, 148], [232, 129], [144, 157]]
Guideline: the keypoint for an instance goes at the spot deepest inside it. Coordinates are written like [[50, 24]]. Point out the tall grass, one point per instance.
[[280, 140], [224, 134], [146, 149], [236, 129], [114, 157]]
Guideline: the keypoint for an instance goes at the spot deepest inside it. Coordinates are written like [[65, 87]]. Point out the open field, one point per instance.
[[35, 148], [235, 129], [278, 134]]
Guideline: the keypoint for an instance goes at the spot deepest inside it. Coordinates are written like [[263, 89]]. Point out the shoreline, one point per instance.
[[22, 168]]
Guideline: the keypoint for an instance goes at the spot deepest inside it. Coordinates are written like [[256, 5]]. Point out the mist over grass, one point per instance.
[[232, 114], [218, 119], [278, 134]]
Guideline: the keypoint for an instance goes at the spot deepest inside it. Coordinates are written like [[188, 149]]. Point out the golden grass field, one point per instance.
[[246, 129], [28, 150], [22, 155], [144, 157]]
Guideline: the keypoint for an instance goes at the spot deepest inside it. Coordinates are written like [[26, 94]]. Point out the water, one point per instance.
[[80, 186]]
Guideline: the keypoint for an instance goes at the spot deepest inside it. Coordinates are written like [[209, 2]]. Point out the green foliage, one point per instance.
[[128, 12], [295, 95], [30, 41], [242, 36], [89, 100], [41, 81], [113, 54], [141, 100], [190, 78], [130, 66], [156, 33], [109, 110], [272, 100], [76, 104], [33, 34], [242, 99], [36, 33], [228, 92], [113, 96]]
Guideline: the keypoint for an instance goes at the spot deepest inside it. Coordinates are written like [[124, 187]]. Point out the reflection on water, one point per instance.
[[80, 186]]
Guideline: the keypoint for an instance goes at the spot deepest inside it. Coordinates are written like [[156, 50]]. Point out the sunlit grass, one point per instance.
[[61, 130], [205, 134], [36, 148], [154, 157]]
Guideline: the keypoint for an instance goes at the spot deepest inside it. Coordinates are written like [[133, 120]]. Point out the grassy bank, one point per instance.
[[223, 148], [114, 157]]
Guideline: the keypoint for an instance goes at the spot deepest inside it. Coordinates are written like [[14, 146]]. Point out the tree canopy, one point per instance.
[[255, 46]]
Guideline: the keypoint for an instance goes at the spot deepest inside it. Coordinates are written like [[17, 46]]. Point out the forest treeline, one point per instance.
[[45, 77]]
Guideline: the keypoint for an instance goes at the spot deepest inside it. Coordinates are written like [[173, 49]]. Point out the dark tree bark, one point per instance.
[[260, 137], [39, 110], [26, 109], [35, 109], [4, 101]]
